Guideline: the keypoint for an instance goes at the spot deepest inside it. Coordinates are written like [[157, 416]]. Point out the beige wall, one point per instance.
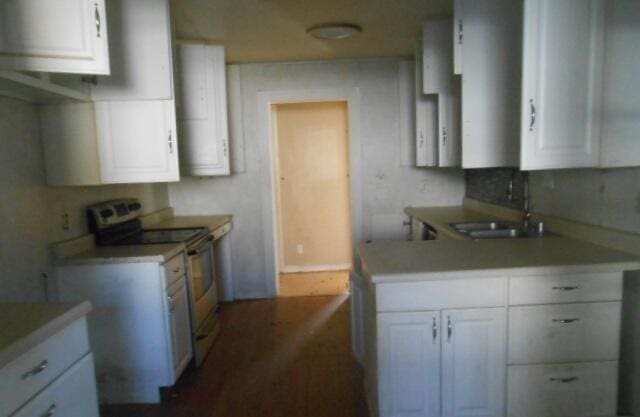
[[313, 186], [31, 212]]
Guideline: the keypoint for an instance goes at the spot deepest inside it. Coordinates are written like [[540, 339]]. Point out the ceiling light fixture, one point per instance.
[[334, 31]]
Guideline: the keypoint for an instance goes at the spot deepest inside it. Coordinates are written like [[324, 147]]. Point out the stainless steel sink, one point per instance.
[[467, 227], [496, 230]]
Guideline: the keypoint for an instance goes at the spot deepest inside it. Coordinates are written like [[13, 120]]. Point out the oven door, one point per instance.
[[204, 296]]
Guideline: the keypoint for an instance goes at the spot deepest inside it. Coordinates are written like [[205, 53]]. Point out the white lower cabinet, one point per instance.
[[470, 348], [576, 390], [179, 323], [474, 362], [449, 363]]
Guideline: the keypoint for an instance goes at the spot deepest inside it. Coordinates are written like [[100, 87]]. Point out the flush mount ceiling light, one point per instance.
[[334, 31]]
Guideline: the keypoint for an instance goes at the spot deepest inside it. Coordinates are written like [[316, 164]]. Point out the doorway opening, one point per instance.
[[313, 197]]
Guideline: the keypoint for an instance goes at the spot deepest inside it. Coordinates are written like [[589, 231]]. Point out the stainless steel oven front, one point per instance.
[[203, 295]]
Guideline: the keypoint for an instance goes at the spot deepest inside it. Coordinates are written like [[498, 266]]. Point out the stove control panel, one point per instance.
[[110, 213]]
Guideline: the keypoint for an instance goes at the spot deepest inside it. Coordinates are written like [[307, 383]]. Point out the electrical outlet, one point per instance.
[[65, 221], [300, 248]]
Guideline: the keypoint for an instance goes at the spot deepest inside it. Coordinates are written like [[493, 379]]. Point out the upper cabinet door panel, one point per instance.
[[562, 83], [437, 58], [66, 36], [202, 111], [140, 40], [137, 141], [491, 70]]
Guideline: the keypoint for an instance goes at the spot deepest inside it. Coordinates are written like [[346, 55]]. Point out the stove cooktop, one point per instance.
[[159, 236]]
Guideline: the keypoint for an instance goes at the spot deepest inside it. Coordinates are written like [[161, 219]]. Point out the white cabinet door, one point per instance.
[[180, 326], [141, 52], [491, 70], [426, 122], [561, 83], [449, 143], [458, 34], [621, 95], [137, 141], [437, 59], [357, 317], [202, 110], [474, 362], [409, 364], [67, 36]]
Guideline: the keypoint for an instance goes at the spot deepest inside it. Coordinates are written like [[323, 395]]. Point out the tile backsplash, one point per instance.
[[491, 186]]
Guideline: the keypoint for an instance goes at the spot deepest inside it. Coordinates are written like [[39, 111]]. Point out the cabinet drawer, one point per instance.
[[28, 374], [437, 295], [174, 269], [568, 390], [552, 289], [73, 394], [564, 333]]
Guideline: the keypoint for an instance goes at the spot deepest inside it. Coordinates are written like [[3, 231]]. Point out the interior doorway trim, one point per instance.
[[266, 135]]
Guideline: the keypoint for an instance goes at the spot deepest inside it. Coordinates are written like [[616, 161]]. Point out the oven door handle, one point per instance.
[[201, 245]]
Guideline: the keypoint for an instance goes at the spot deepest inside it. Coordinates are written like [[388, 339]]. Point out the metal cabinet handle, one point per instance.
[[564, 380], [449, 328], [50, 411], [96, 13], [434, 330], [564, 321], [421, 141], [533, 115], [566, 288], [170, 143], [36, 370], [224, 147], [444, 135], [460, 32]]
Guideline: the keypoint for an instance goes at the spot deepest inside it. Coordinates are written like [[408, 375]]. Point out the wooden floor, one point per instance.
[[314, 283], [282, 357]]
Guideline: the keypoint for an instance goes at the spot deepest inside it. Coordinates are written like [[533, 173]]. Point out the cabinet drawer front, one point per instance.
[[174, 269], [437, 295], [571, 390], [28, 374], [565, 288], [564, 333], [73, 394]]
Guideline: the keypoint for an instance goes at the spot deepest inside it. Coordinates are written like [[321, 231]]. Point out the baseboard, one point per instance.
[[315, 268]]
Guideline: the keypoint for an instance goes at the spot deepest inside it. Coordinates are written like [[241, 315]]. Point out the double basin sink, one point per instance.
[[495, 229]]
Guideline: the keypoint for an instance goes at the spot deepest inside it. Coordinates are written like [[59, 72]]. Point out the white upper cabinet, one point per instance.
[[140, 39], [137, 141], [65, 36], [202, 110], [458, 36], [621, 102], [426, 121], [474, 362], [487, 53], [561, 83], [409, 364], [437, 99]]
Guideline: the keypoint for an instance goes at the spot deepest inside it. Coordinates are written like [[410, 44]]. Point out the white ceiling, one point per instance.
[[275, 30]]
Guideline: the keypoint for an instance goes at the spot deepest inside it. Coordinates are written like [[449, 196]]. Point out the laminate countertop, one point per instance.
[[398, 261], [440, 218], [97, 255], [24, 326], [212, 222]]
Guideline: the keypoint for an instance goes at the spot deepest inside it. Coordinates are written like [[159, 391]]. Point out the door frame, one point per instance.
[[266, 135]]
